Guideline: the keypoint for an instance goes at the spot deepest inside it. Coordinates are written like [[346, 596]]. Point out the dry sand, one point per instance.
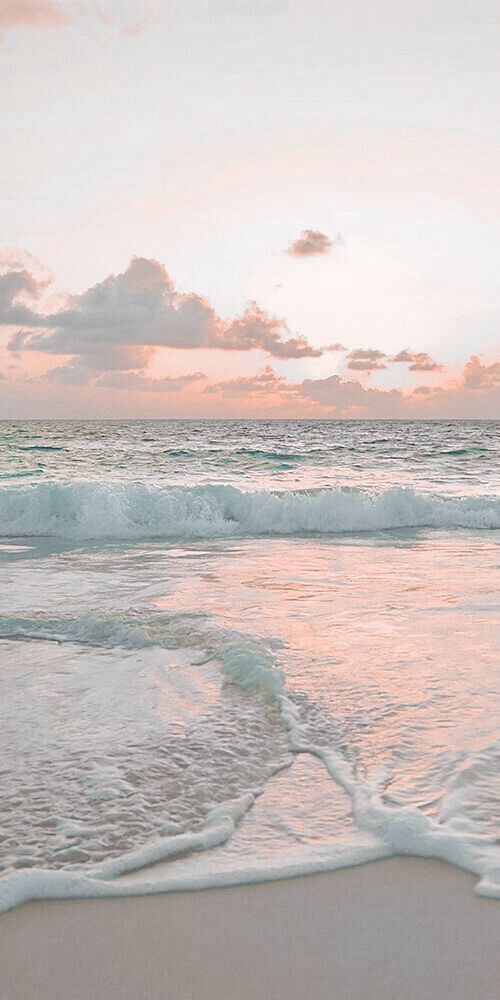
[[392, 930]]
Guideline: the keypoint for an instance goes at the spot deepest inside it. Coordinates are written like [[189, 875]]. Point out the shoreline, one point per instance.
[[397, 929]]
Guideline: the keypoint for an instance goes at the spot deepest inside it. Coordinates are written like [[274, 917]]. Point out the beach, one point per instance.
[[243, 680], [402, 929], [249, 500]]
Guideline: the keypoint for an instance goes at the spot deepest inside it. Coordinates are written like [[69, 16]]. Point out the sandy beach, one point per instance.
[[393, 930], [249, 500]]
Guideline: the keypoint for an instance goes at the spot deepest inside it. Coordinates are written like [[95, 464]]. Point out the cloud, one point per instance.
[[418, 362], [425, 390], [104, 357], [138, 382], [15, 288], [140, 308], [70, 374], [266, 382], [40, 14], [312, 242], [476, 395], [368, 360], [344, 397], [15, 259], [479, 376], [255, 329], [334, 396]]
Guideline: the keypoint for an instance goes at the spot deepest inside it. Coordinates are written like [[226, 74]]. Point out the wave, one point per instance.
[[225, 456], [272, 456], [245, 660], [381, 830], [38, 447], [23, 474], [97, 510]]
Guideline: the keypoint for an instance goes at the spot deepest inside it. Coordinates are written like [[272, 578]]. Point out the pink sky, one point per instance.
[[249, 210]]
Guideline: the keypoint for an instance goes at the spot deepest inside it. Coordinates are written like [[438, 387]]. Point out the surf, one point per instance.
[[127, 510]]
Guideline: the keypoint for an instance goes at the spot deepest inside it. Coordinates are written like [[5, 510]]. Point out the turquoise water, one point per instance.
[[452, 456]]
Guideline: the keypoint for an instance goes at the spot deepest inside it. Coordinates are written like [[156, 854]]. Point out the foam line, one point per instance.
[[381, 831], [94, 510]]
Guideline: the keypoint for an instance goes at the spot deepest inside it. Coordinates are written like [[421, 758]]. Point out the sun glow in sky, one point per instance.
[[266, 208]]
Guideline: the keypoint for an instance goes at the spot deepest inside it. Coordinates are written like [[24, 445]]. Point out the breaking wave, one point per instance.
[[96, 510]]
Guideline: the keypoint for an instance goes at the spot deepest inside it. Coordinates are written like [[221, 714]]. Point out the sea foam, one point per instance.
[[381, 830], [97, 510]]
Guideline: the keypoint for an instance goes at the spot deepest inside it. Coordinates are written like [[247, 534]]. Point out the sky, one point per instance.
[[236, 208]]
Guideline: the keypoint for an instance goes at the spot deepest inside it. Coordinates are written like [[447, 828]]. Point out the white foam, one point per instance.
[[381, 830], [21, 886], [385, 833], [95, 510]]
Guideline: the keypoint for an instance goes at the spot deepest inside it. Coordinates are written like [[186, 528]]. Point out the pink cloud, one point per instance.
[[365, 360], [417, 362], [475, 394], [264, 382], [479, 376], [138, 382], [40, 14], [112, 331], [139, 308]]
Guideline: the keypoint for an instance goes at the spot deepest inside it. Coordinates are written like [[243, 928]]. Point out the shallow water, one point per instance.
[[270, 649]]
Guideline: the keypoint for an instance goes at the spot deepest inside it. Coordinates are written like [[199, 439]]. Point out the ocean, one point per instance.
[[233, 651]]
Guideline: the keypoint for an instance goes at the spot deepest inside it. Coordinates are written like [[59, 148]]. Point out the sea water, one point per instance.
[[239, 650]]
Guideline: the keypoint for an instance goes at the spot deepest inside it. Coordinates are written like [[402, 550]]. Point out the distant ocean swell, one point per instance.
[[96, 510]]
